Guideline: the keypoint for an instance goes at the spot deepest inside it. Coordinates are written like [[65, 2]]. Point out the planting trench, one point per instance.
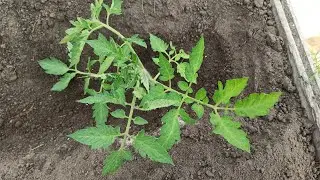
[[241, 40]]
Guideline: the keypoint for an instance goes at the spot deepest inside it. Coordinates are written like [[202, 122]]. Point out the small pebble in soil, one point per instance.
[[287, 84], [9, 74], [18, 124], [258, 3], [246, 2], [210, 173]]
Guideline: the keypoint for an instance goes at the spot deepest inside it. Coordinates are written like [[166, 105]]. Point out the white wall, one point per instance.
[[308, 15]]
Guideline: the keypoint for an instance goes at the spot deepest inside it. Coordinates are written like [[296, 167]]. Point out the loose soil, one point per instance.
[[241, 40]]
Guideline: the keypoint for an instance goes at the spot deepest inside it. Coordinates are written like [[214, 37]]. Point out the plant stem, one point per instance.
[[88, 74], [132, 107]]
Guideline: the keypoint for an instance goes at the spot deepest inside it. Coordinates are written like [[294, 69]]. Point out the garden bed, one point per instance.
[[241, 40]]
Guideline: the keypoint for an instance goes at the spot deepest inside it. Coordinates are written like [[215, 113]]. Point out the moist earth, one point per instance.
[[241, 41]]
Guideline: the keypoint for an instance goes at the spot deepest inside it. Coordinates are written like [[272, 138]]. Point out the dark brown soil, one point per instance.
[[241, 40]]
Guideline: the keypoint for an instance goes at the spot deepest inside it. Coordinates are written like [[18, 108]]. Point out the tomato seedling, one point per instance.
[[121, 74]]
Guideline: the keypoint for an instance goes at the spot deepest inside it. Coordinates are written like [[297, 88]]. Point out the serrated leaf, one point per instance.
[[100, 113], [105, 64], [158, 44], [76, 47], [72, 33], [196, 56], [63, 82], [181, 69], [97, 98], [136, 40], [139, 92], [96, 9], [115, 7], [232, 88], [119, 113], [184, 86], [157, 98], [53, 66], [201, 94], [230, 131], [96, 137], [103, 47], [186, 118], [115, 160], [198, 109], [116, 97], [166, 70], [140, 121], [144, 77], [191, 75], [256, 104], [170, 130], [148, 145]]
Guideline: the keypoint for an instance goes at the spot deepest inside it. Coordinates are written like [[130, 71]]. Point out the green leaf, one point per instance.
[[53, 66], [140, 121], [206, 100], [96, 9], [72, 33], [76, 47], [144, 77], [156, 60], [198, 109], [100, 113], [115, 7], [170, 131], [196, 56], [186, 118], [105, 64], [201, 94], [139, 92], [232, 88], [119, 113], [97, 98], [166, 70], [96, 137], [103, 47], [256, 104], [181, 69], [191, 75], [157, 98], [116, 97], [158, 44], [184, 86], [230, 131], [63, 82], [148, 145], [115, 160], [86, 85], [135, 39]]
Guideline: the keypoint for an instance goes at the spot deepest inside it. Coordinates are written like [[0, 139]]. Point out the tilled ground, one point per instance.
[[241, 40]]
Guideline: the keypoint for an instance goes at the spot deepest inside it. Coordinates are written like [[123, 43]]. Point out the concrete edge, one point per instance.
[[307, 91]]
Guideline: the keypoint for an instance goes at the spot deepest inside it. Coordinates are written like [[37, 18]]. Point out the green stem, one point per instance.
[[132, 107], [108, 17]]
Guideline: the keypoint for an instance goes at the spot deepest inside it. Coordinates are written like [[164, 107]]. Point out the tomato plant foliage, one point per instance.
[[121, 74]]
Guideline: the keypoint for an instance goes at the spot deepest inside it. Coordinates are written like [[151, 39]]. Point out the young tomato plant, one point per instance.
[[121, 74]]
